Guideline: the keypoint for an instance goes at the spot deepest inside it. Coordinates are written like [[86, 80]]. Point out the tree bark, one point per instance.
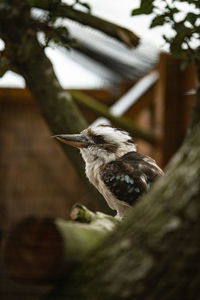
[[195, 117], [55, 104], [26, 56], [154, 254], [42, 248]]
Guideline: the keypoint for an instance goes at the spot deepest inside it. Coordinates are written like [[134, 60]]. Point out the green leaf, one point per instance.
[[176, 47], [192, 18], [58, 35], [141, 11], [146, 3], [167, 40], [61, 31], [146, 8], [170, 12], [174, 10], [158, 21], [182, 30], [137, 12]]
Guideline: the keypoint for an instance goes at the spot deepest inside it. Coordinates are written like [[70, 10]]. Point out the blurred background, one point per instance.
[[144, 84]]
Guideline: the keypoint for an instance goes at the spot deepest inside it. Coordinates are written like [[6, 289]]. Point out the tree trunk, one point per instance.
[[154, 254], [195, 117], [26, 56], [42, 248], [56, 105]]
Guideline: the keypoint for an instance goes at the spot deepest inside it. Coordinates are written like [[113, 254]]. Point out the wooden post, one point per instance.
[[172, 104]]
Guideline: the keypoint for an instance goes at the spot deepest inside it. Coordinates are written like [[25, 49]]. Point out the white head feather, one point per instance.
[[118, 140]]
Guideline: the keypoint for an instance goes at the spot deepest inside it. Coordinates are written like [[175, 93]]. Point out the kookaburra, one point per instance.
[[113, 165]]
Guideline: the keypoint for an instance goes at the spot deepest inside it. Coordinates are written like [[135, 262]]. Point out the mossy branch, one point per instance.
[[41, 249], [102, 110]]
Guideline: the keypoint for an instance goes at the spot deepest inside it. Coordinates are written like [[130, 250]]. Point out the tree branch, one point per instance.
[[102, 110], [62, 10], [42, 249], [27, 57]]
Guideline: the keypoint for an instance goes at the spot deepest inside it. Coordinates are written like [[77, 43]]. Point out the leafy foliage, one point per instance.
[[58, 34], [187, 30], [146, 7]]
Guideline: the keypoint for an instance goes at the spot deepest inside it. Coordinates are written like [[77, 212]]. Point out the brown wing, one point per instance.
[[130, 176]]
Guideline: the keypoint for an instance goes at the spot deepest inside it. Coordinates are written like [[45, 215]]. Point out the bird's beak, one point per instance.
[[75, 140]]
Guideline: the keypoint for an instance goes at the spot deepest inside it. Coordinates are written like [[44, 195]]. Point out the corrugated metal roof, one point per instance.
[[109, 58]]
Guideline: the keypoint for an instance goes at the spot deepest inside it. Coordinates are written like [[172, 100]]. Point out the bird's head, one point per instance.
[[101, 142]]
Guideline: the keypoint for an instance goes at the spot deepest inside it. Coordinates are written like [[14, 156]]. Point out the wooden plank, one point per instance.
[[34, 176], [15, 95], [172, 104], [141, 104], [169, 95], [19, 95]]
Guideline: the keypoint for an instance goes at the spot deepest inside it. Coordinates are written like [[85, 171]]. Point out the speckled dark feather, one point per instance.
[[130, 176]]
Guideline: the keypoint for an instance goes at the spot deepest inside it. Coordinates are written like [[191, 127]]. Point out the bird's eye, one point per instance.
[[98, 139]]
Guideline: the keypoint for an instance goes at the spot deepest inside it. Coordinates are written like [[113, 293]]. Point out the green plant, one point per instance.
[[184, 44], [185, 25]]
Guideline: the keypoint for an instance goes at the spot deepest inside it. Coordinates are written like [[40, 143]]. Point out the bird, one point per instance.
[[113, 165]]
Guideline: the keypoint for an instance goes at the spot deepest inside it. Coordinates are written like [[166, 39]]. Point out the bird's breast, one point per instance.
[[93, 174]]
